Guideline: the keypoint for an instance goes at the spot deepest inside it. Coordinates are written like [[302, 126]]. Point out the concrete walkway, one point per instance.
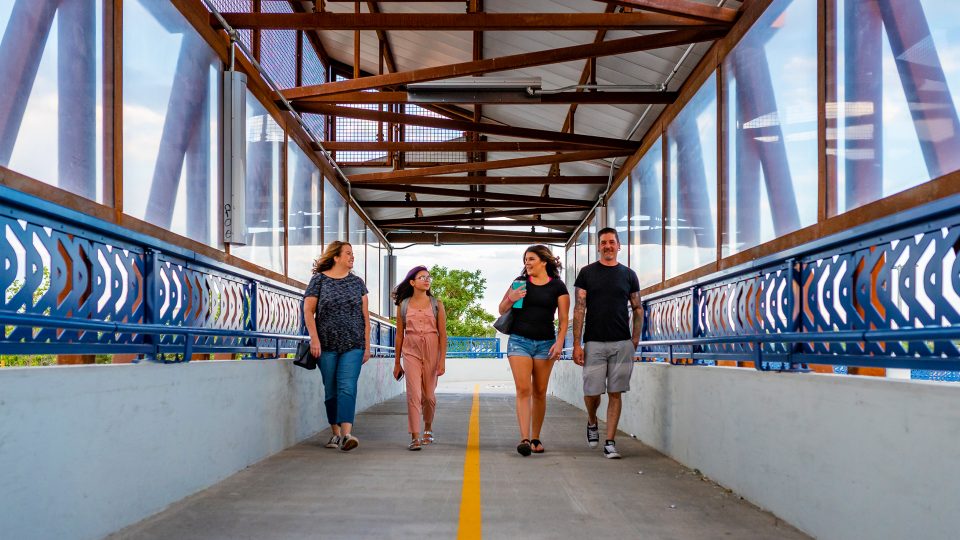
[[381, 490]]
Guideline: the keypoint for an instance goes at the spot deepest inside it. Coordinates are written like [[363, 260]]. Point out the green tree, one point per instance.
[[461, 292]]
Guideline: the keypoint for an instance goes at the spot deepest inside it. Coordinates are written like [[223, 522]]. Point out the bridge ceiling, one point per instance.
[[570, 144]]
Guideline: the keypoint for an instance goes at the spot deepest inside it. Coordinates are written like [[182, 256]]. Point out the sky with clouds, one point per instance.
[[498, 264]]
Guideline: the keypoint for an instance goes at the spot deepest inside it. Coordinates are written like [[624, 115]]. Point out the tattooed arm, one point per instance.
[[637, 308], [579, 311]]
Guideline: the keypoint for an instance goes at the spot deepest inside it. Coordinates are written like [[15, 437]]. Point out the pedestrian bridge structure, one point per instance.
[[784, 177]]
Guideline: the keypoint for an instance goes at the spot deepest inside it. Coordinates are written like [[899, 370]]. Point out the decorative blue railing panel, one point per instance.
[[885, 294], [198, 297], [49, 269], [669, 318], [753, 304], [906, 282], [66, 275], [279, 312]]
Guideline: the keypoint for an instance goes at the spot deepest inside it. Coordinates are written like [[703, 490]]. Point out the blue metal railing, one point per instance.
[[884, 294], [473, 347], [75, 284]]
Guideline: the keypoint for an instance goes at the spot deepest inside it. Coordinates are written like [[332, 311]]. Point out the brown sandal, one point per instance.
[[414, 445]]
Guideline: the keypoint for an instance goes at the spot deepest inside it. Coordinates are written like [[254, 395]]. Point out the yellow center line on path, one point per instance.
[[470, 515]]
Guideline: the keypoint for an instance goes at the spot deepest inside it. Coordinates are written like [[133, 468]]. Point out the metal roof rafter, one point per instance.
[[517, 61]]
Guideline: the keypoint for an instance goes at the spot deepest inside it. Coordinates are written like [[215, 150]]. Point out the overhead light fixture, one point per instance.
[[607, 87], [473, 89], [475, 84]]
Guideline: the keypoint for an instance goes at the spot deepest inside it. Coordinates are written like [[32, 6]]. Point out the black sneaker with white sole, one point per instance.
[[610, 450], [348, 443], [334, 442], [593, 435]]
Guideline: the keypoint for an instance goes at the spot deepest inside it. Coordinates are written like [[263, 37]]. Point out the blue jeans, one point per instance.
[[340, 371]]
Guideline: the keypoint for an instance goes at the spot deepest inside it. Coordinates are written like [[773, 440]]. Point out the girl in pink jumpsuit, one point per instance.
[[422, 343]]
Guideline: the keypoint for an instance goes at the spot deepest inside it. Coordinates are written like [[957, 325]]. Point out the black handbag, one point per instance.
[[504, 323], [304, 359]]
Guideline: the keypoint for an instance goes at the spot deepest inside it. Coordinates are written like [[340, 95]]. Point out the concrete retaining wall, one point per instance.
[[87, 450], [838, 457]]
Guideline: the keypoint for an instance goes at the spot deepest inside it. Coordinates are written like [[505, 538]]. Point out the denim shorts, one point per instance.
[[534, 348]]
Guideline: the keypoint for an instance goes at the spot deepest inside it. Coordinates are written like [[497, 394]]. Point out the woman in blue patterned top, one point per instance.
[[337, 318]]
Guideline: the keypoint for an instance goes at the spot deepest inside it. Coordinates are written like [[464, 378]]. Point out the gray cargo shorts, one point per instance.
[[607, 366]]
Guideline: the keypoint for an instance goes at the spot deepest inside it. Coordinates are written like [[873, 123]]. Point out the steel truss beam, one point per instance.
[[488, 165], [462, 125], [554, 224], [516, 61], [480, 195], [421, 22], [501, 98], [475, 238], [551, 204], [452, 146], [681, 8], [493, 180]]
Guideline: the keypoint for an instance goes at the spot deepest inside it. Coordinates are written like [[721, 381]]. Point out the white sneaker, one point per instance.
[[610, 450], [334, 442]]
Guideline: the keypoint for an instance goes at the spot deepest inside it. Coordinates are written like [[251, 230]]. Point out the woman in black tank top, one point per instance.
[[535, 344]]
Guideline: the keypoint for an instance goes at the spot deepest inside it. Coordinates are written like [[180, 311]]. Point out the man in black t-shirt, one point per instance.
[[604, 290]]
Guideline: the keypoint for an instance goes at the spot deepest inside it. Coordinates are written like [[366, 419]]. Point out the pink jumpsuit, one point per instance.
[[421, 356]]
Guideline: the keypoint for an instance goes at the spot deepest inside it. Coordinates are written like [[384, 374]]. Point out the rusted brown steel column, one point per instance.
[[589, 73], [863, 135], [20, 52], [298, 68], [650, 205], [380, 44], [185, 105], [747, 177], [692, 191], [924, 85], [260, 166], [756, 100], [199, 190], [476, 6], [77, 97], [303, 209], [356, 45], [255, 33]]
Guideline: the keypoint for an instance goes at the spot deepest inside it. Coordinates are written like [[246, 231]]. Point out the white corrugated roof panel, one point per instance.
[[423, 49]]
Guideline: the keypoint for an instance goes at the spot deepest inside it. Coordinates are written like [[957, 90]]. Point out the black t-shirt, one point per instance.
[[535, 319], [608, 300]]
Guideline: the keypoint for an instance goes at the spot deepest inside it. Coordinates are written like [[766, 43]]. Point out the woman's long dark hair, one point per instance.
[[544, 254], [325, 261], [404, 289]]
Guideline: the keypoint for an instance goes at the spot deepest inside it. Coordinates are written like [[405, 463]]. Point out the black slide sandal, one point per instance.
[[536, 442], [524, 447]]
